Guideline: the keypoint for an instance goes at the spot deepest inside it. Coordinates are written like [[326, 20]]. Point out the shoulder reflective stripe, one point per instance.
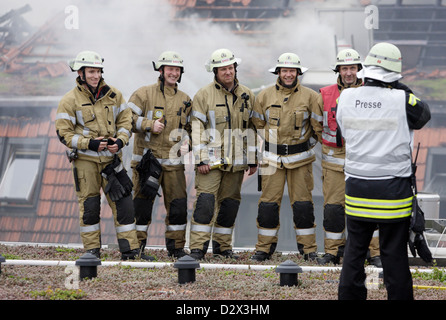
[[413, 99], [126, 228], [66, 116], [199, 116], [92, 228], [135, 108]]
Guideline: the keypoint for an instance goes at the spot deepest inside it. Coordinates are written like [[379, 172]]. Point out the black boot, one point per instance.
[[96, 252], [176, 253], [227, 254], [312, 256], [136, 254], [260, 256], [197, 254], [328, 258]]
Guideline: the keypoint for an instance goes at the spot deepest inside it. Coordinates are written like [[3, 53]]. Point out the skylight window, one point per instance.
[[21, 166]]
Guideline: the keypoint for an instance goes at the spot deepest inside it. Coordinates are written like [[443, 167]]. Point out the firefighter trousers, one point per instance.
[[215, 210], [90, 182], [300, 185], [333, 189], [393, 238], [173, 187]]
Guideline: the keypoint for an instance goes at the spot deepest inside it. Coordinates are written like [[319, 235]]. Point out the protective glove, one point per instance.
[[125, 181], [418, 244], [114, 189], [149, 188]]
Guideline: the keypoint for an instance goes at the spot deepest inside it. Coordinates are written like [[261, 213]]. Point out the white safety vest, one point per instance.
[[374, 124]]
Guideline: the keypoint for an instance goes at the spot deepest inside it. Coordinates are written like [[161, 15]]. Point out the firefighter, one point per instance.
[[348, 63], [285, 114], [161, 126], [93, 120], [377, 122], [221, 128]]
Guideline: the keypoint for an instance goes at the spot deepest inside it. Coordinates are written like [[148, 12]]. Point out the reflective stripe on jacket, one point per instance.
[[149, 103], [220, 126], [286, 117], [80, 117]]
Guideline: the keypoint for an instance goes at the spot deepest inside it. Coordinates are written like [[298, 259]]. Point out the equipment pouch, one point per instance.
[[417, 222]]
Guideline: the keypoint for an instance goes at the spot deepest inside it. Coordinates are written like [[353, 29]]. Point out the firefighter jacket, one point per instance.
[[153, 102], [286, 118], [222, 126], [376, 123], [82, 116], [333, 150]]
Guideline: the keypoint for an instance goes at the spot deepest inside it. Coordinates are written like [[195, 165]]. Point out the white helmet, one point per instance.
[[386, 56], [347, 57], [86, 59], [221, 58], [288, 60], [169, 58]]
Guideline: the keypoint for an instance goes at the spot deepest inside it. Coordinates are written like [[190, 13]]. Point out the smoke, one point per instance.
[[131, 34]]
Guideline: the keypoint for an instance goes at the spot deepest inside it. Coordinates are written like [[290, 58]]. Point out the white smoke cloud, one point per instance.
[[131, 34]]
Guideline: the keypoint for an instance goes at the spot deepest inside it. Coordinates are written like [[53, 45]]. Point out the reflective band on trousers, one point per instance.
[[142, 227], [176, 227], [125, 228], [200, 228], [92, 228], [378, 208], [305, 232], [203, 228], [334, 235], [268, 232]]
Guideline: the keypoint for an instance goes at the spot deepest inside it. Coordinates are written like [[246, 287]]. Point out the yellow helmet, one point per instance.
[[86, 59], [386, 56], [169, 58], [347, 57], [288, 60], [221, 58]]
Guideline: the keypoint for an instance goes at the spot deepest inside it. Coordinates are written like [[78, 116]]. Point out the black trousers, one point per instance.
[[393, 238]]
